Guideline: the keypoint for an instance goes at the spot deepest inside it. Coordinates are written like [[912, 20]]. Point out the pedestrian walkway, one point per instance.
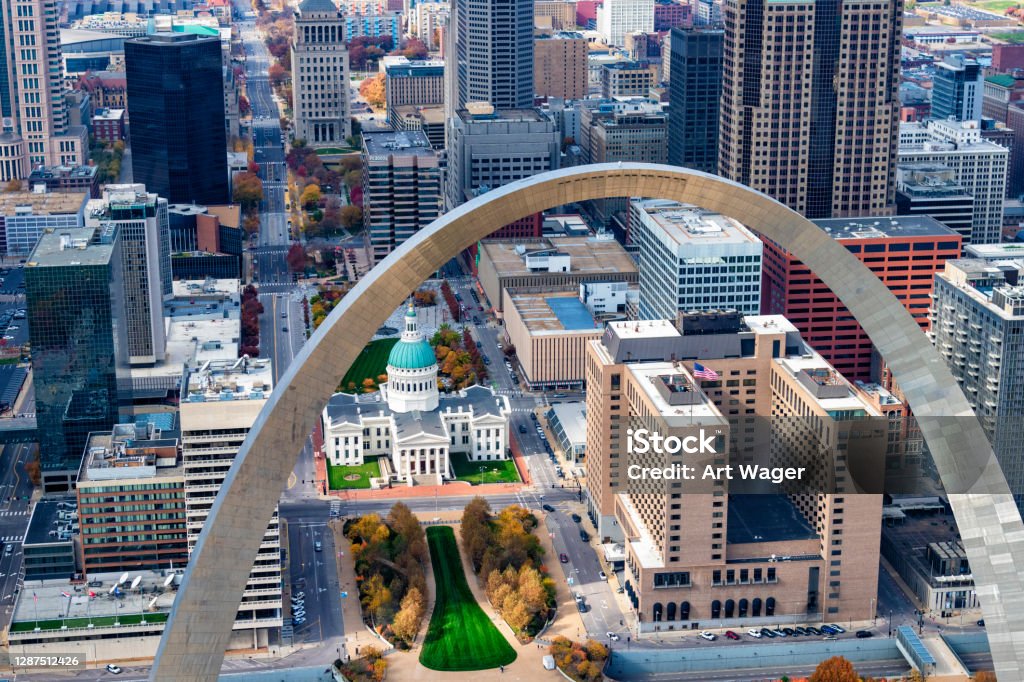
[[454, 489], [357, 635]]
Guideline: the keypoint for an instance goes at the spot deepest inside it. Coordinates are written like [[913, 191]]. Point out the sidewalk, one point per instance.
[[453, 489], [357, 635]]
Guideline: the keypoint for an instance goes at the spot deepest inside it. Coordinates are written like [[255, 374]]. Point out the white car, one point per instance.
[[612, 636], [113, 669], [754, 632], [710, 636]]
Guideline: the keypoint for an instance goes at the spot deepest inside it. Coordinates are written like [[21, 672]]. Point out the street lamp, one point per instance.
[[874, 613]]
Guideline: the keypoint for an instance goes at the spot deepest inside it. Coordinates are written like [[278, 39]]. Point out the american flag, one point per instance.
[[702, 372]]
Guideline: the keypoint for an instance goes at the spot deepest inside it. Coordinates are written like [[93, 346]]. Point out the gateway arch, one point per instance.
[[197, 633]]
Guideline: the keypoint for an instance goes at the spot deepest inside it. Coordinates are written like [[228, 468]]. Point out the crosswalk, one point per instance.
[[23, 512], [12, 538]]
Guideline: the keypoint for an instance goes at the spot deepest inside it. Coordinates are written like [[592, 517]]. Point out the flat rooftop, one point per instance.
[[644, 329], [554, 312], [406, 143], [587, 254], [41, 203], [766, 518], [489, 113], [883, 227], [242, 379], [700, 413], [43, 520], [769, 324], [1007, 251], [112, 456], [818, 369], [71, 246], [683, 225]]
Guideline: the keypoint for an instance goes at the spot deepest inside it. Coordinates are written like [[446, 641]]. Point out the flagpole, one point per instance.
[[35, 608]]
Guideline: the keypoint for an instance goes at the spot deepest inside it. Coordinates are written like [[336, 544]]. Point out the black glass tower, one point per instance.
[[178, 138], [75, 304], [695, 93]]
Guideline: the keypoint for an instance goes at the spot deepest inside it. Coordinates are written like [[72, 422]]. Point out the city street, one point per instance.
[[15, 489]]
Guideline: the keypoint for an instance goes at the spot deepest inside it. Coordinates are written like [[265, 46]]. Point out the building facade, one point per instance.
[[25, 216], [812, 130], [618, 18], [488, 148], [692, 259], [142, 221], [560, 65], [220, 403], [411, 424], [957, 89], [976, 324], [695, 93], [320, 75], [980, 167], [933, 190], [66, 179], [412, 83], [627, 79], [905, 253], [76, 315], [176, 94], [491, 56], [401, 188]]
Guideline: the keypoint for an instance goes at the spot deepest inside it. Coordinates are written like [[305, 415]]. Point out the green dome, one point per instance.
[[412, 355]]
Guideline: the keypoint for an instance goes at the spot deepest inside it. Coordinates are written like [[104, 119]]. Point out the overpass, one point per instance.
[[20, 429]]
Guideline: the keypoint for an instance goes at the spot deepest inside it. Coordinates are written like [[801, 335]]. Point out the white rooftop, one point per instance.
[[769, 324], [812, 361], [644, 329], [701, 413], [683, 225]]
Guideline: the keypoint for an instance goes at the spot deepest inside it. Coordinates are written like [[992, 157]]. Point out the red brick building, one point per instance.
[[904, 252], [108, 125]]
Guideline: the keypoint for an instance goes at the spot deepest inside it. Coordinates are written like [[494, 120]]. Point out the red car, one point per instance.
[[729, 634], [563, 558]]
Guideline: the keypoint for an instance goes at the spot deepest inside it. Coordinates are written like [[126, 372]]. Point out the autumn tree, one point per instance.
[[310, 197], [248, 190], [372, 90], [475, 529], [276, 74], [414, 49], [13, 185], [835, 669], [377, 599], [251, 223], [410, 615], [296, 257], [351, 216]]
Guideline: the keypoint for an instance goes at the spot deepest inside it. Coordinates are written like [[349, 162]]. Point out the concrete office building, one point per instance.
[[904, 253], [427, 120], [320, 75], [737, 559], [957, 89], [490, 58], [550, 263], [142, 221], [219, 404], [618, 18], [977, 326], [980, 167], [401, 188], [74, 289], [695, 94], [176, 94], [994, 252], [488, 148], [933, 190], [411, 83], [131, 501], [693, 259], [426, 19], [627, 79], [549, 330], [560, 65], [799, 123], [25, 216], [374, 23], [37, 130], [48, 549]]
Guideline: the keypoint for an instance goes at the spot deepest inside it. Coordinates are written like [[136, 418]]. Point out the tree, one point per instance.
[[248, 190], [13, 185], [372, 90], [985, 676], [296, 257], [251, 222], [351, 217], [835, 669], [310, 196], [353, 177], [410, 615], [377, 599], [244, 108], [33, 470], [475, 530], [414, 49]]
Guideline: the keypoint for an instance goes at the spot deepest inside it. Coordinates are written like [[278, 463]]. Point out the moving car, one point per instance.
[[522, 429], [708, 636], [729, 634], [113, 669], [612, 636], [563, 557], [864, 634], [318, 546], [547, 508], [533, 416]]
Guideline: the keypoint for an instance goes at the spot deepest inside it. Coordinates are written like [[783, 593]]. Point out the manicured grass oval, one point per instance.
[[460, 636]]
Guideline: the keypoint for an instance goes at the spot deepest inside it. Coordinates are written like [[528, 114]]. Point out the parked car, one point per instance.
[[602, 575], [732, 635], [576, 517], [789, 632], [754, 632], [800, 630], [563, 558], [299, 594], [780, 633], [813, 630], [981, 623], [533, 416], [578, 597], [612, 636], [710, 636], [830, 638], [864, 634], [770, 634], [838, 628], [113, 669], [548, 508], [828, 630], [584, 536]]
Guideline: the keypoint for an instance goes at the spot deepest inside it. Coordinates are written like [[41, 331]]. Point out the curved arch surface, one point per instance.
[[193, 643]]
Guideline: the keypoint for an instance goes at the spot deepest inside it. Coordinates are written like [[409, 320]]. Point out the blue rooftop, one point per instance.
[[571, 312]]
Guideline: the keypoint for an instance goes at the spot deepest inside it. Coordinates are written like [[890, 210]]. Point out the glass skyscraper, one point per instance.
[[179, 143], [76, 320], [695, 92]]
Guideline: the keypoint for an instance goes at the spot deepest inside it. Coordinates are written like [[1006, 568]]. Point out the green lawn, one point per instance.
[[367, 470], [97, 621], [997, 6], [501, 471], [460, 636], [371, 363], [1012, 37]]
